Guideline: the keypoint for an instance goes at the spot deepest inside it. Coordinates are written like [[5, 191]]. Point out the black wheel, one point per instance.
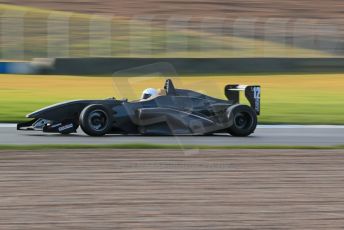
[[243, 120], [96, 120]]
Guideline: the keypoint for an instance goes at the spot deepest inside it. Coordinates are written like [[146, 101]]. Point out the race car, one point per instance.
[[171, 111]]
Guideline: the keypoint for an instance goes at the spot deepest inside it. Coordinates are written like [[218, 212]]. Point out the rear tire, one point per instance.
[[243, 120], [96, 120]]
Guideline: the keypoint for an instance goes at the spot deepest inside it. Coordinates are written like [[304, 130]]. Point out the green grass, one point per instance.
[[286, 99], [152, 146]]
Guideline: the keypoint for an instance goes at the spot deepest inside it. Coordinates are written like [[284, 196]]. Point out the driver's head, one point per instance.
[[148, 93]]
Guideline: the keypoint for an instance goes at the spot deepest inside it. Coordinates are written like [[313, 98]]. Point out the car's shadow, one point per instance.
[[128, 136]]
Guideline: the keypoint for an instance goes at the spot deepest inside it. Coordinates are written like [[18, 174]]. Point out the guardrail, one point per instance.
[[186, 66], [191, 66], [16, 68]]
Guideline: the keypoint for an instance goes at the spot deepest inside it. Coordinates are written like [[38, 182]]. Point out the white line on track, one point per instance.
[[300, 126], [8, 125]]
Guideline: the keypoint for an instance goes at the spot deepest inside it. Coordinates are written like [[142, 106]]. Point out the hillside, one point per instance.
[[314, 24], [122, 38], [197, 8]]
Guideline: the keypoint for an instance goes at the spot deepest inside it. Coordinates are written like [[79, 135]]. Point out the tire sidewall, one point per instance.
[[232, 113], [84, 118]]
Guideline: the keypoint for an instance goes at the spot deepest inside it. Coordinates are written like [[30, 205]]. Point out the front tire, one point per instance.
[[96, 120], [243, 120]]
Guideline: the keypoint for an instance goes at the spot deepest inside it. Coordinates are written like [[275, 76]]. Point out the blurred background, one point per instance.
[[161, 28], [292, 48], [57, 50]]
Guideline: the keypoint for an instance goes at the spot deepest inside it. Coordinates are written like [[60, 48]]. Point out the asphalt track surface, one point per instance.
[[264, 135], [169, 189]]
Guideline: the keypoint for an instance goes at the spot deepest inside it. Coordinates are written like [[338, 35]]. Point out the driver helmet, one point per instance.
[[148, 93]]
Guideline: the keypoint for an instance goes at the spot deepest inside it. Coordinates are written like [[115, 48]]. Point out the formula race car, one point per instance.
[[168, 112]]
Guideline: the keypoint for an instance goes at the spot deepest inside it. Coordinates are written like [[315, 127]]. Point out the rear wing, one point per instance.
[[252, 93]]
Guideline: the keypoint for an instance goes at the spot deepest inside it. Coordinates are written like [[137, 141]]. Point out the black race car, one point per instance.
[[170, 112]]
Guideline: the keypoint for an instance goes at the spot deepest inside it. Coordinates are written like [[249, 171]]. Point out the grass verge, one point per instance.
[[286, 99], [153, 146]]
